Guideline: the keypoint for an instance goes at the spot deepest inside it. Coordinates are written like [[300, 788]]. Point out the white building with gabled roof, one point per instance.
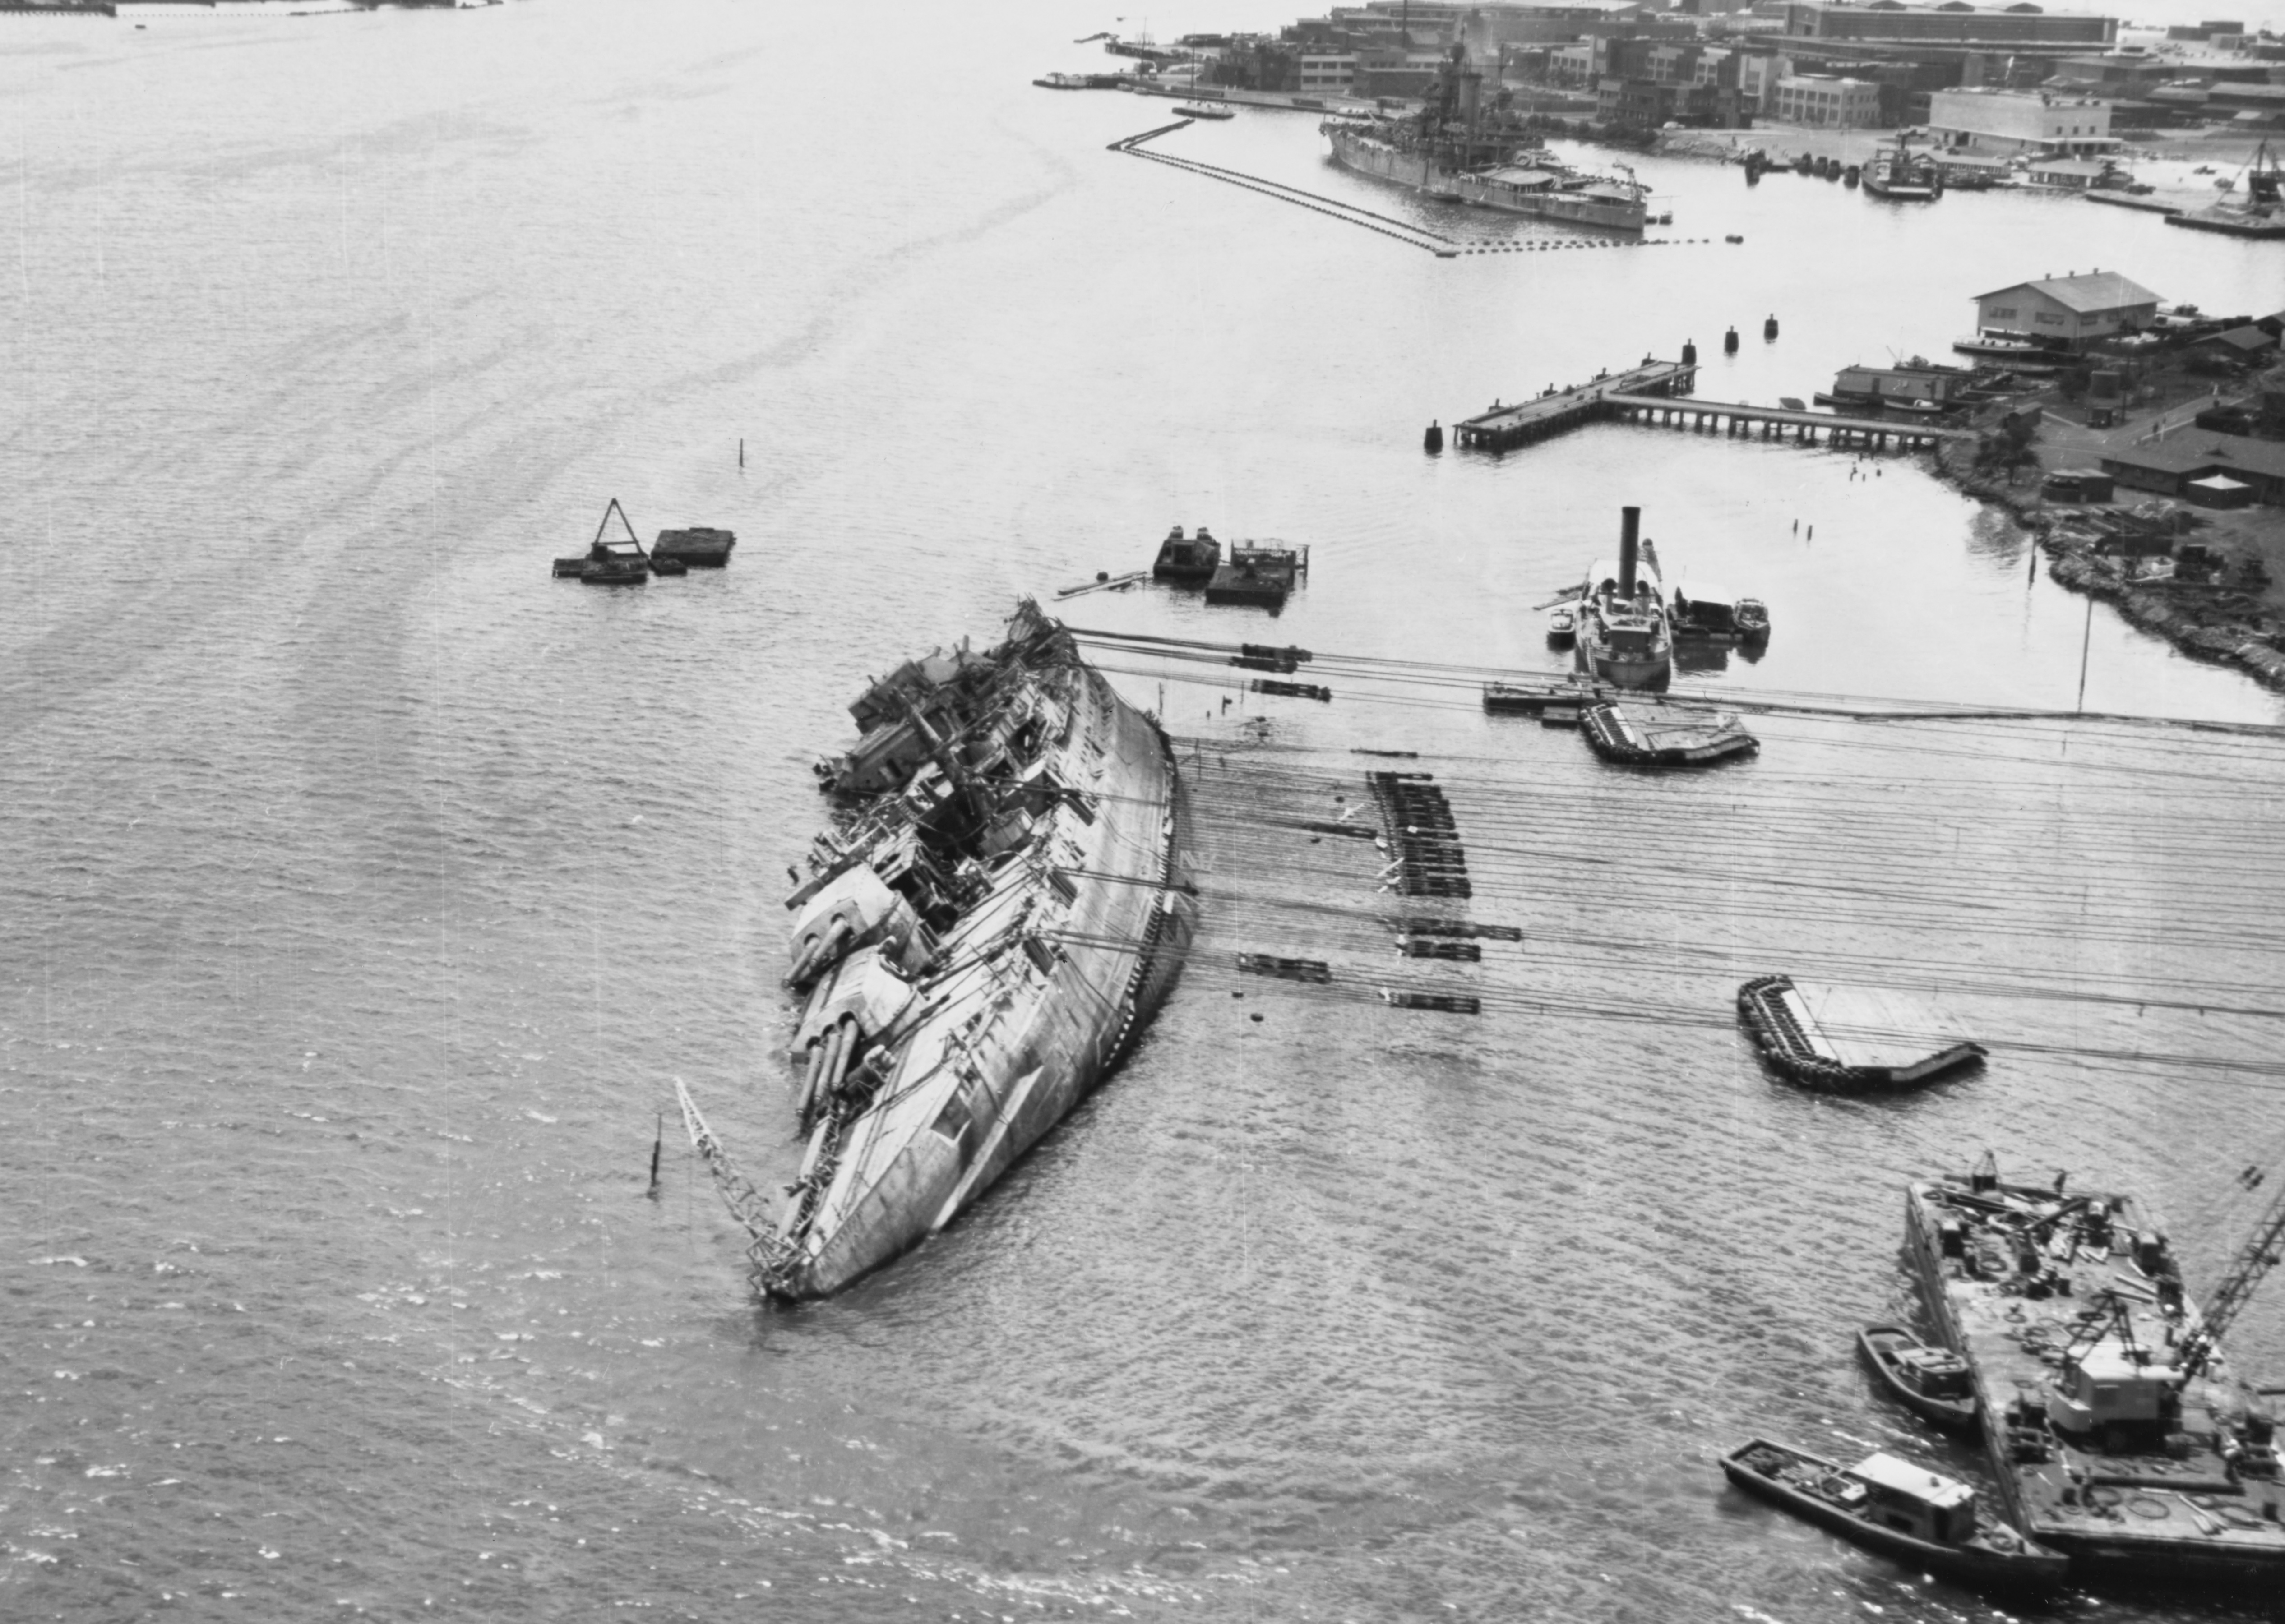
[[2076, 310]]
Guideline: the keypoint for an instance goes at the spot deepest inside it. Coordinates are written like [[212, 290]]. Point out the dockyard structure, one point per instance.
[[2074, 309], [2039, 123], [2208, 469], [1828, 103], [1951, 23]]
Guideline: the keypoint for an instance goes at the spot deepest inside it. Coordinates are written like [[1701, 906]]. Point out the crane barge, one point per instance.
[[2118, 1432]]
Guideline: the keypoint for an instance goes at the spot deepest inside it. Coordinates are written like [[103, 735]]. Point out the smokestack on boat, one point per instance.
[[1629, 543]]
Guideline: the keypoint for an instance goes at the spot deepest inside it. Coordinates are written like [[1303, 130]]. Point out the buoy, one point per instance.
[[1433, 440], [1729, 342], [1690, 352], [1769, 331]]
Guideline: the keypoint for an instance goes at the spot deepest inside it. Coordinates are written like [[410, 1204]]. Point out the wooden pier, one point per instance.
[[1780, 422], [1559, 409], [1658, 392]]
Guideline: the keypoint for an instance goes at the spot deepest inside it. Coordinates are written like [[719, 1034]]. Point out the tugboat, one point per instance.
[[1187, 562], [1562, 625], [2116, 1429], [1900, 1509], [1623, 631], [988, 926], [1907, 176], [1930, 1381]]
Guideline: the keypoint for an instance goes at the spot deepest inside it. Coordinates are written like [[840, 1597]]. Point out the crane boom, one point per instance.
[[2254, 1259]]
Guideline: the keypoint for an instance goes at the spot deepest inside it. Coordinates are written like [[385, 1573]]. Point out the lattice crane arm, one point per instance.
[[2254, 1259]]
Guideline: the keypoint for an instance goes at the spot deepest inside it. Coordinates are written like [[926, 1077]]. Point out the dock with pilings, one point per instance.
[[1559, 409], [1658, 392], [1739, 420]]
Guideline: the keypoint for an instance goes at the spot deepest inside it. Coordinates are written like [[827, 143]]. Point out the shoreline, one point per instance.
[[2215, 625]]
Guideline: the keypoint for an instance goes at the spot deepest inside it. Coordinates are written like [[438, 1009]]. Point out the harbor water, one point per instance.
[[369, 890]]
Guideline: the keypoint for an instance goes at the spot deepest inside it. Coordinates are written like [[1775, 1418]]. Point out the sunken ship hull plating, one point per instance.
[[1030, 826]]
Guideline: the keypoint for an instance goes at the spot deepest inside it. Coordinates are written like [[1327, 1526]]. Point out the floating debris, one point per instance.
[[1312, 971], [1290, 690]]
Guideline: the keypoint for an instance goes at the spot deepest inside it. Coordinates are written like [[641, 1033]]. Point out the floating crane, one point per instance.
[[2254, 1259]]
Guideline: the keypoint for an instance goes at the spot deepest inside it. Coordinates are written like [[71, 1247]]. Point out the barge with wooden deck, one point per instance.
[[987, 928], [2119, 1433]]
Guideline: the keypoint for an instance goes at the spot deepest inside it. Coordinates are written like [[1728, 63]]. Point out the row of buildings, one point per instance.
[[1997, 78]]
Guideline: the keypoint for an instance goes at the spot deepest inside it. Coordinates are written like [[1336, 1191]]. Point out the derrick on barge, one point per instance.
[[992, 919], [2118, 1432]]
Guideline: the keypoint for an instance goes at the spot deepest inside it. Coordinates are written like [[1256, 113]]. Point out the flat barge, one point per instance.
[[2118, 1432], [1844, 1039], [996, 912]]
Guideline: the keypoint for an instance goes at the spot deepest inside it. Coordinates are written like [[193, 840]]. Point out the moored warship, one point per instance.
[[2118, 1432], [1459, 151], [992, 920]]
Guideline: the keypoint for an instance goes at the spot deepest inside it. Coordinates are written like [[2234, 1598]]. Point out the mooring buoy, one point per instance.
[[1729, 342], [1433, 440], [1769, 331]]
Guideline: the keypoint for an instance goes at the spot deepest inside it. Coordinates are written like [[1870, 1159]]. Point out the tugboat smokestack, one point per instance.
[[1630, 545]]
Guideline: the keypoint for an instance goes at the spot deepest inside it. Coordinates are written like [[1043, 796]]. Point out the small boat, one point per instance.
[[1900, 1509], [1933, 1383], [1205, 113], [1752, 616], [2017, 350], [1186, 561], [1562, 626], [1663, 736], [1907, 176]]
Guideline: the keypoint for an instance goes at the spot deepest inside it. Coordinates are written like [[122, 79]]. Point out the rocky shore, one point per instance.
[[2207, 620]]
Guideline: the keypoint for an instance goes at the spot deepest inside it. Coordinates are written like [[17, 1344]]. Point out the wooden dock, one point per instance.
[[1658, 392], [1779, 422], [1559, 409]]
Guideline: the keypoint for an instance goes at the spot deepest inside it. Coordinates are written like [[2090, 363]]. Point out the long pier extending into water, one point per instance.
[[1658, 392]]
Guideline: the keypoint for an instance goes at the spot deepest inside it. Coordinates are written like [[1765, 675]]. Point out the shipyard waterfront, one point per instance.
[[372, 891]]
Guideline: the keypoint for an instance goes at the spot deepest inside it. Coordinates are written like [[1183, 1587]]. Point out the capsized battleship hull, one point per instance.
[[997, 912], [1545, 192], [2111, 1442]]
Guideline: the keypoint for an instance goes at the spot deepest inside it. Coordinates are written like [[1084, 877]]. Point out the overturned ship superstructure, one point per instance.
[[994, 914]]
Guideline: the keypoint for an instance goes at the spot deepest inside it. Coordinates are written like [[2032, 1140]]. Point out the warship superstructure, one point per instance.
[[995, 914], [1458, 149]]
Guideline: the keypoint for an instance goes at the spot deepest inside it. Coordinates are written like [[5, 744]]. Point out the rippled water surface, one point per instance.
[[369, 888]]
